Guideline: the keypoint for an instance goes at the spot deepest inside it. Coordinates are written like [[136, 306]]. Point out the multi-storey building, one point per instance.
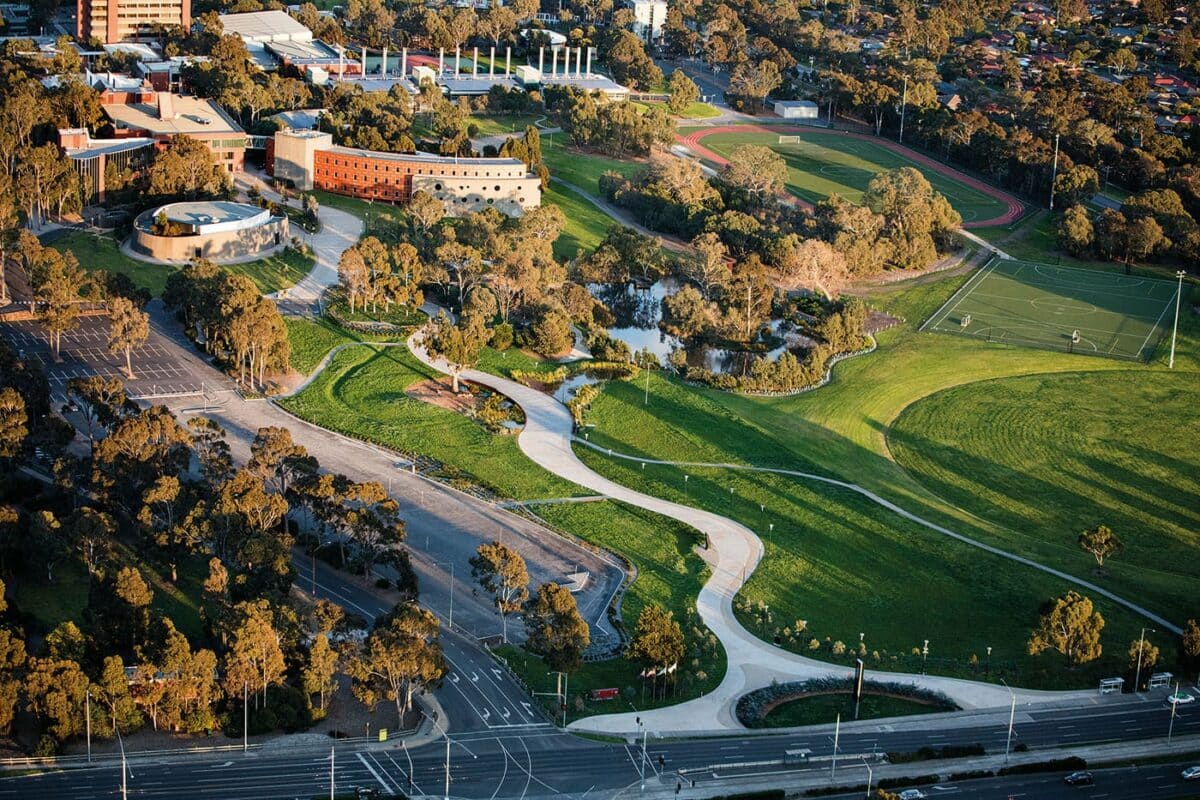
[[309, 159], [118, 20], [162, 115]]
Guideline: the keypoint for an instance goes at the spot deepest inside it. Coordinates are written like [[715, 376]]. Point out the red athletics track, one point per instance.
[[1015, 207]]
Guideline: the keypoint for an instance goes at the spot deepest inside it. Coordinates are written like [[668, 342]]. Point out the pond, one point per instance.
[[638, 312]]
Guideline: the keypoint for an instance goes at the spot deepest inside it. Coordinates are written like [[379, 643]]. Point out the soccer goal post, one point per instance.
[[789, 139]]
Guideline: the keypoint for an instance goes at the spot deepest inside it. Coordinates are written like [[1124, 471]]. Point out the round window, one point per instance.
[[497, 188], [437, 187]]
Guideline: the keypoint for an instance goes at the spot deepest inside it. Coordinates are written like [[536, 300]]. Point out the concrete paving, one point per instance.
[[339, 230], [734, 554]]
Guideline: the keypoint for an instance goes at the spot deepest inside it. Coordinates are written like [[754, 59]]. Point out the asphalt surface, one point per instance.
[[158, 370], [476, 693], [540, 762]]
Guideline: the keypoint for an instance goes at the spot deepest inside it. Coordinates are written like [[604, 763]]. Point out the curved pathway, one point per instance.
[[1014, 207], [339, 230], [734, 554]]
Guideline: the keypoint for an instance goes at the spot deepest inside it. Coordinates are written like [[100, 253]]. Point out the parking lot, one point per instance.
[[161, 367]]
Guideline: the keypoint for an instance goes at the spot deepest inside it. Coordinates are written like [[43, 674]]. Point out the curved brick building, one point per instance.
[[309, 159]]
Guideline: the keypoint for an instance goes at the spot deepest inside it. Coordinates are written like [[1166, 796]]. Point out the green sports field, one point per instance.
[[1060, 308], [821, 164]]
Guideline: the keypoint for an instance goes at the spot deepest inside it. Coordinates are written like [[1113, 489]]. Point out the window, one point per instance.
[[437, 187], [497, 187]]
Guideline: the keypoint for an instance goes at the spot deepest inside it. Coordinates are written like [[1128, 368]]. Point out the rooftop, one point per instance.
[[428, 158], [208, 212], [265, 26], [97, 147], [191, 115]]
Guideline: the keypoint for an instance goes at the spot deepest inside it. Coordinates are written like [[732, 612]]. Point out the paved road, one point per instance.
[[542, 762], [475, 694]]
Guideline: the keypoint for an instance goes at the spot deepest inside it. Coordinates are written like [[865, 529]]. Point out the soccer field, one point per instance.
[[823, 163], [1060, 308]]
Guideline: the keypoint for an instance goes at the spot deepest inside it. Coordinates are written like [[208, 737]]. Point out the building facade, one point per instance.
[[162, 115], [309, 159], [649, 17], [219, 231], [92, 158], [110, 21]]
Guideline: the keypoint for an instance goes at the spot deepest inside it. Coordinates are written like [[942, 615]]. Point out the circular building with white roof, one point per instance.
[[216, 230]]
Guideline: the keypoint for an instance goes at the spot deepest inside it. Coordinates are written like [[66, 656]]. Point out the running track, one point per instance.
[[1014, 207]]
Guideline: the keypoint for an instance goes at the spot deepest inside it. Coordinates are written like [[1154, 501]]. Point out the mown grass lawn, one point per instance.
[[586, 225], [823, 163], [103, 253], [820, 709], [579, 168], [311, 339], [275, 272], [361, 394], [669, 574], [841, 563]]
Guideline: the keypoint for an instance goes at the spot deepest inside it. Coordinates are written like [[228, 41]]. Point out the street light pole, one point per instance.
[[1174, 706], [837, 732], [1012, 714], [1175, 330], [1137, 679], [331, 776], [87, 699], [924, 655], [245, 716], [870, 775]]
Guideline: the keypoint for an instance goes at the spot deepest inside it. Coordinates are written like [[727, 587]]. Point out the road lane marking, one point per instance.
[[374, 774]]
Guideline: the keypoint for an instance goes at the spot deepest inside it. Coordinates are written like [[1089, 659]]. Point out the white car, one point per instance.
[[1192, 773], [1181, 699], [912, 794]]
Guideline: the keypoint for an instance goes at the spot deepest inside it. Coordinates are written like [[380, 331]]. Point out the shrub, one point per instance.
[[1068, 764]]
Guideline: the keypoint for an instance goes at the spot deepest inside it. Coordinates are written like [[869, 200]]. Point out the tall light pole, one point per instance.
[[1174, 705], [245, 716], [924, 655], [870, 775], [1137, 679], [837, 732], [1175, 330], [87, 699], [332, 781], [642, 763], [1054, 172], [1012, 714], [903, 107], [446, 736]]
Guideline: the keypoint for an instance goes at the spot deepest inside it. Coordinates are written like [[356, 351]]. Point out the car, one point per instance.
[[1080, 778], [912, 794], [1191, 773], [1181, 699], [365, 793]]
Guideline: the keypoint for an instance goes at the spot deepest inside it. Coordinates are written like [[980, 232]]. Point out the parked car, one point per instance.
[[1181, 698], [1080, 778], [1192, 773], [912, 794]]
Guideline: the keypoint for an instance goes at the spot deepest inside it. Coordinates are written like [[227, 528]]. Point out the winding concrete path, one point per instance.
[[339, 230], [734, 554]]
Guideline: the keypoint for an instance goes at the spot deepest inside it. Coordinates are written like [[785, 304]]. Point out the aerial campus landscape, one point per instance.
[[661, 398]]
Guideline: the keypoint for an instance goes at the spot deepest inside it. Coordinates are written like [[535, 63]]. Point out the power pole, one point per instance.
[[1054, 172]]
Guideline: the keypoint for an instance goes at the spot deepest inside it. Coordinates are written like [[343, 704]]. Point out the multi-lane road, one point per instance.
[[525, 762]]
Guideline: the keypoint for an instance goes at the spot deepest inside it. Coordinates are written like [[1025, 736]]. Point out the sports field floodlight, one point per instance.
[[1175, 330]]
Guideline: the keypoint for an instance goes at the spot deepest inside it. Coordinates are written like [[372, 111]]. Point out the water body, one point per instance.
[[638, 312]]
